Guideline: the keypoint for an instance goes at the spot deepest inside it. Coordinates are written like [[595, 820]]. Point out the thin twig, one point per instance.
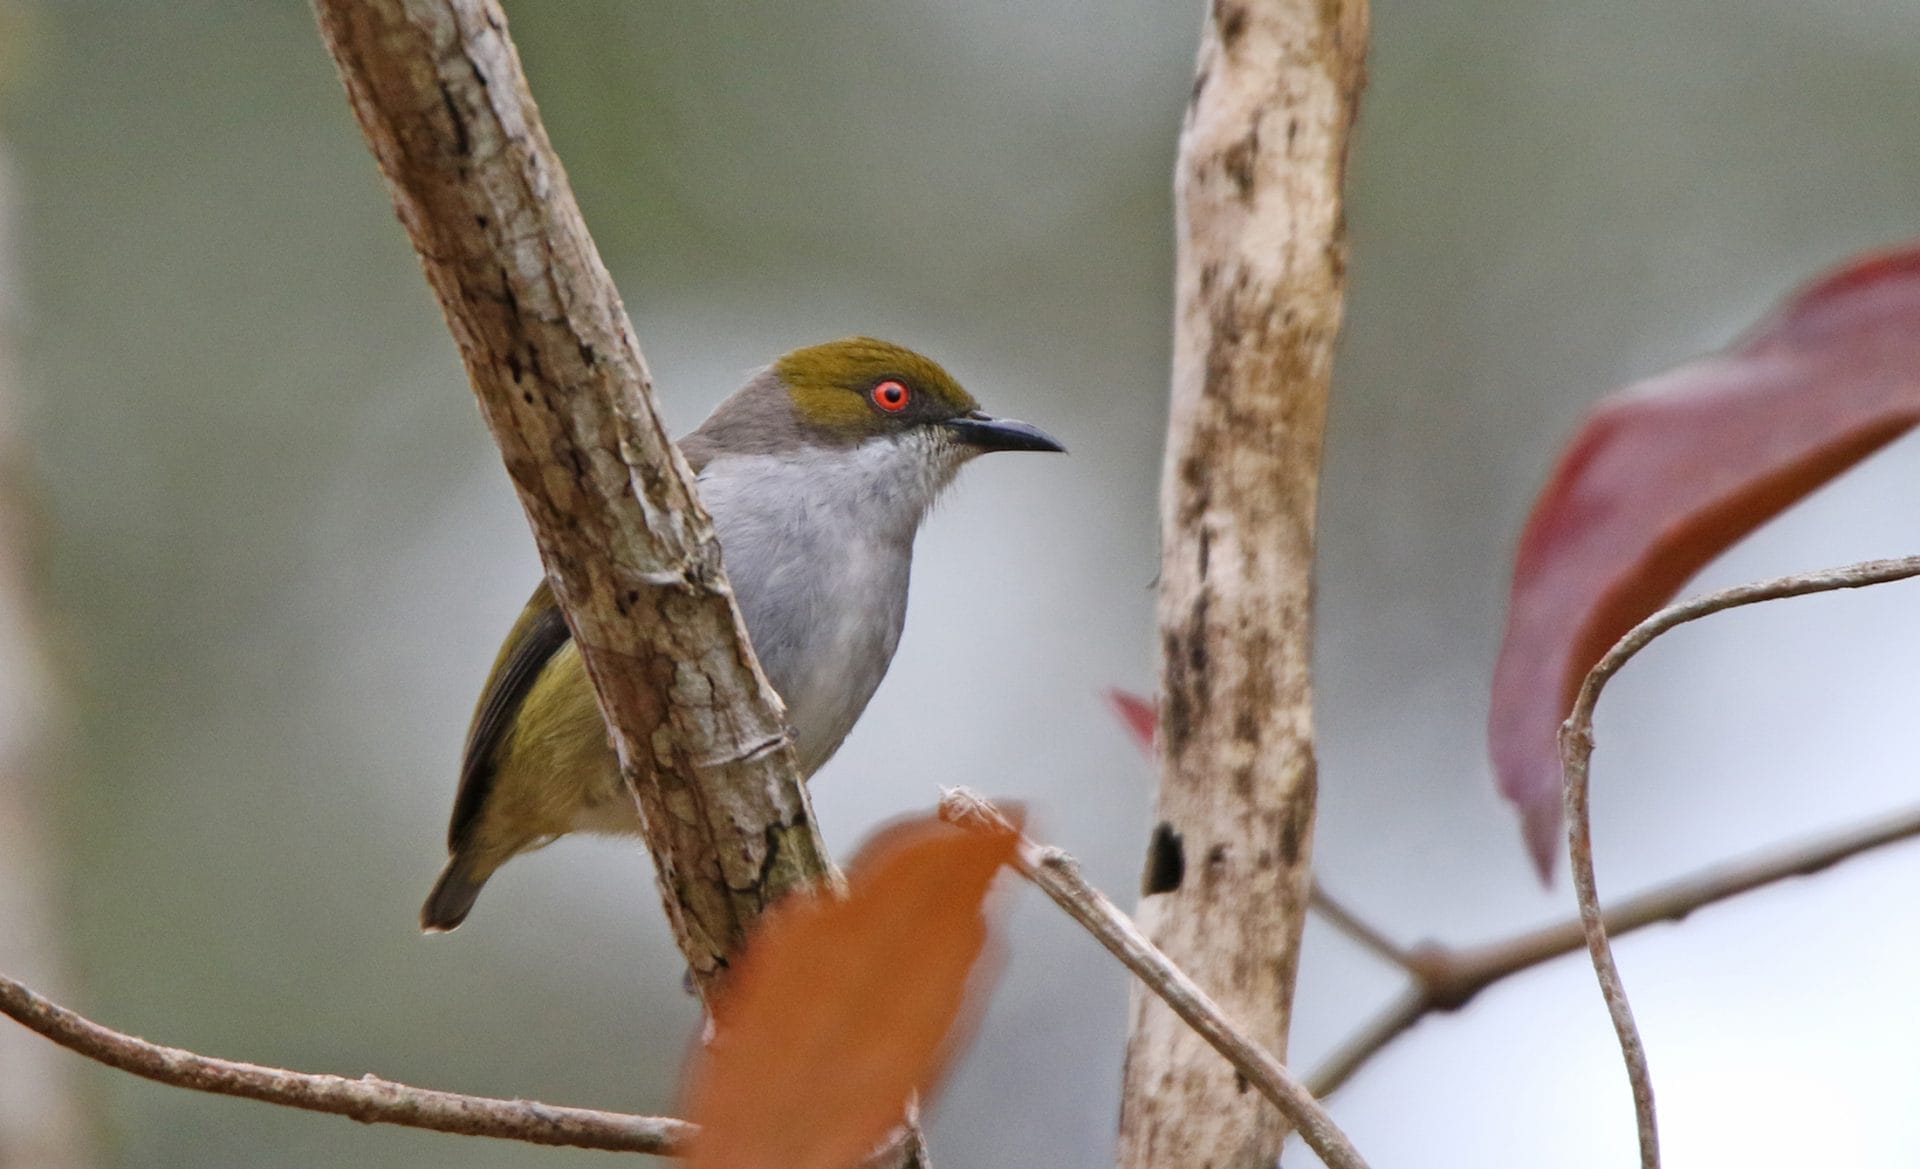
[[1058, 876], [1576, 754], [1390, 1024], [1357, 928], [368, 1099], [1446, 978]]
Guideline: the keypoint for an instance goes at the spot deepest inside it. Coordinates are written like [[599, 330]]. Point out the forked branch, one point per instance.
[[1576, 755], [1447, 978]]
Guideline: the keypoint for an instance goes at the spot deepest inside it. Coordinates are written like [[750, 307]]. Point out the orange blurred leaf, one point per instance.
[[1665, 474], [841, 1009]]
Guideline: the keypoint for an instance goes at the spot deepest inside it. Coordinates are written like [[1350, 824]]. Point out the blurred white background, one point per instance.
[[284, 551]]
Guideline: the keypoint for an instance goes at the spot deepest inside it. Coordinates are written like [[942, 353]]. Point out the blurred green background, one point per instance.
[[283, 550]]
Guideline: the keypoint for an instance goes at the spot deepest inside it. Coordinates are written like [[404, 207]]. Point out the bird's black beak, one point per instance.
[[1001, 434]]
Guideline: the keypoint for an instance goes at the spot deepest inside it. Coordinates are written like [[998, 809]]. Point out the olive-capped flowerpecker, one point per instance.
[[817, 473]]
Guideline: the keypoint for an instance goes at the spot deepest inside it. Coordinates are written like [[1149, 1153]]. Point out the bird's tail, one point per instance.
[[453, 895]]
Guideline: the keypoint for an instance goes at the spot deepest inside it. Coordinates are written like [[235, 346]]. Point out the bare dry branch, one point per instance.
[[1058, 876], [1446, 978], [1576, 755], [368, 1099], [1357, 929], [1396, 1020], [1260, 276]]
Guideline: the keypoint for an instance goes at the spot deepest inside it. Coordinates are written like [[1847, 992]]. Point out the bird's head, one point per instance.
[[859, 394]]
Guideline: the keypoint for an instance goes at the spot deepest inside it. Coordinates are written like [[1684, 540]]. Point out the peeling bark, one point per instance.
[[1259, 285]]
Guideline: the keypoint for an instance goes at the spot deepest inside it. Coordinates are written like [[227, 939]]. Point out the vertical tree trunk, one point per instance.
[[1260, 278], [41, 1123]]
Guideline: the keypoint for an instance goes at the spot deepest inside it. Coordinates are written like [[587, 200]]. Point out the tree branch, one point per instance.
[[1358, 930], [1260, 276], [1576, 755], [440, 95], [1448, 978], [1058, 876], [438, 90], [367, 1099]]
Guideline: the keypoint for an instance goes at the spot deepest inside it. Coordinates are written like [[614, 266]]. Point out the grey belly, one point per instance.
[[825, 622]]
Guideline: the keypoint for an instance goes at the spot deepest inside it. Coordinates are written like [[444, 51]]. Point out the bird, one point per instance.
[[817, 472]]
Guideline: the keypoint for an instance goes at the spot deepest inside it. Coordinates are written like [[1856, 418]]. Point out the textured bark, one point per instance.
[[439, 92], [41, 1124], [440, 95], [1260, 277]]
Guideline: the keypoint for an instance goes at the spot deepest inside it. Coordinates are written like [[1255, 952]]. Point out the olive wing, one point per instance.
[[530, 645]]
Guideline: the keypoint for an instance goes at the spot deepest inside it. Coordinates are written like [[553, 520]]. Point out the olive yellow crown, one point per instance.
[[863, 386]]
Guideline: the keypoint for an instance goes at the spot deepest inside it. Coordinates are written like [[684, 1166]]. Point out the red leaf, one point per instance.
[[1138, 715], [1667, 473], [841, 1009]]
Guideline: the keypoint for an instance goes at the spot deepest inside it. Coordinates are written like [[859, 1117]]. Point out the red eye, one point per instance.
[[890, 396]]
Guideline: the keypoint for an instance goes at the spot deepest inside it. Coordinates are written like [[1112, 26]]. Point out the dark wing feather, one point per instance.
[[534, 639], [530, 645]]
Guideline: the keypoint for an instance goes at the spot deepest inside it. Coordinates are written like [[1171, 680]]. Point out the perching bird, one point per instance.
[[817, 473]]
